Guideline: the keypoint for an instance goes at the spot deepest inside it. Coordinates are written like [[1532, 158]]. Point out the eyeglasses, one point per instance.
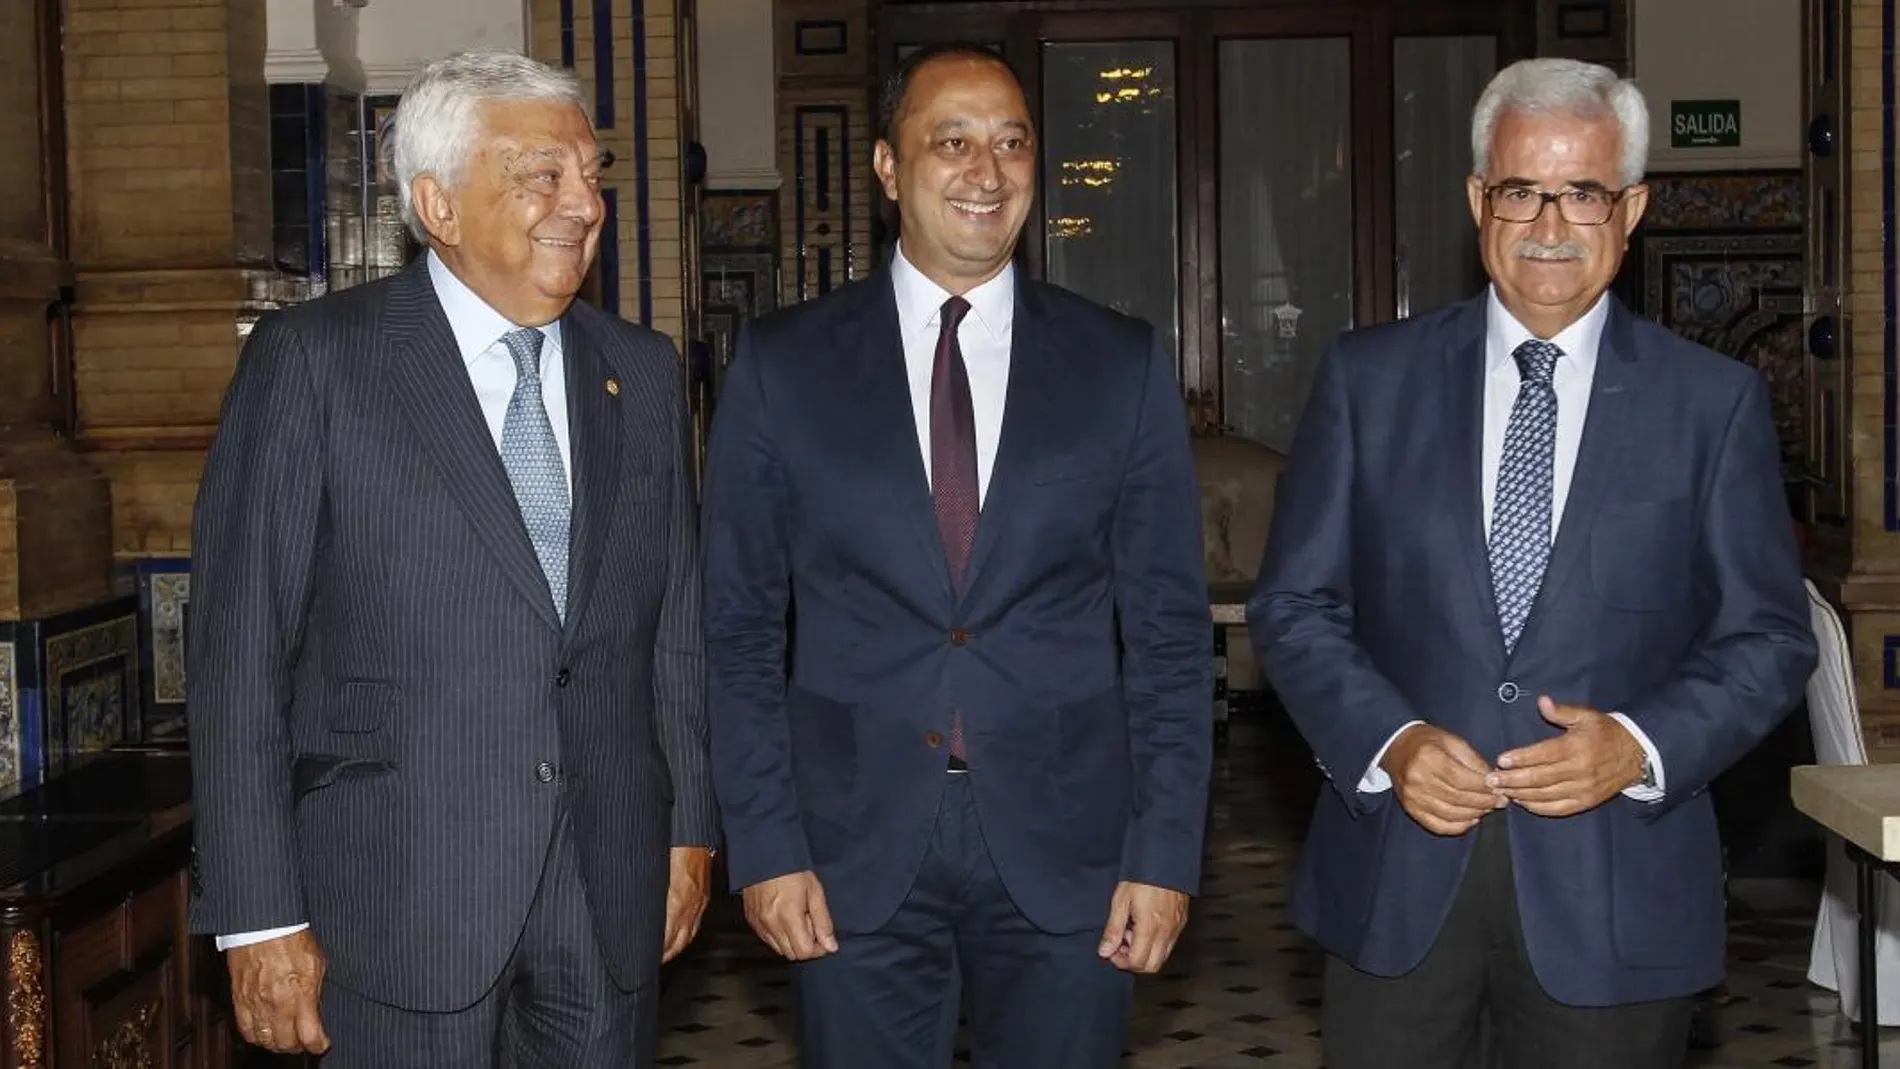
[[1579, 207]]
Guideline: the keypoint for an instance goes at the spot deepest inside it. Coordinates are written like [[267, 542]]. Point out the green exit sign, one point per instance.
[[1705, 124]]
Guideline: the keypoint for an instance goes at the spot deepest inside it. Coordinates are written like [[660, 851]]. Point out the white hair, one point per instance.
[[436, 125], [1564, 87]]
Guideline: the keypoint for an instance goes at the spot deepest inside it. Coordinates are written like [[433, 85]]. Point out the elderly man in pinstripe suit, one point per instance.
[[447, 717]]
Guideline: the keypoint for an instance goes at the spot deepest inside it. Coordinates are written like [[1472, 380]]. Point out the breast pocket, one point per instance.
[[1641, 554]]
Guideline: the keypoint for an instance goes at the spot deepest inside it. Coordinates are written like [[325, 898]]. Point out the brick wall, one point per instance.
[[152, 498], [150, 110], [169, 180], [658, 294], [1871, 589]]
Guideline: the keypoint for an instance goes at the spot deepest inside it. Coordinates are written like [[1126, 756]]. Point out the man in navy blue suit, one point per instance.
[[1531, 586], [976, 758]]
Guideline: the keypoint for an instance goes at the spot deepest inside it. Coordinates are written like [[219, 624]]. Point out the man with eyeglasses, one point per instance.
[[1530, 587]]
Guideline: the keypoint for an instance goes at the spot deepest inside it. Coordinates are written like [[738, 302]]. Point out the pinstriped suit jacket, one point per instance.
[[379, 684]]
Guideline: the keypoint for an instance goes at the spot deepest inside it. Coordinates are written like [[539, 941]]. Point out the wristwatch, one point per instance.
[[1648, 780]]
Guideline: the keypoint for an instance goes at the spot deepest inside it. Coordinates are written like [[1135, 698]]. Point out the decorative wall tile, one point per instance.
[[827, 194], [164, 592], [89, 672], [1753, 201], [11, 757], [68, 686], [1719, 261], [1741, 295], [739, 257], [739, 220]]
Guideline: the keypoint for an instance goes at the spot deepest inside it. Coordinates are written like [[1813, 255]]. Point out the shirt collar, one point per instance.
[[476, 324], [920, 301], [1579, 341]]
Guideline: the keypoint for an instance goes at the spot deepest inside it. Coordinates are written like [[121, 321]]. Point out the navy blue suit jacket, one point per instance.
[[1673, 595], [1078, 650]]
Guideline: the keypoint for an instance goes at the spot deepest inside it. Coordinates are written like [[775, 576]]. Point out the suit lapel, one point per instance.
[[594, 429], [890, 421], [1463, 405], [1612, 396], [1031, 403], [431, 384]]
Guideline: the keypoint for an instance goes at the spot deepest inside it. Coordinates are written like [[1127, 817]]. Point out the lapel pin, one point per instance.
[[613, 387]]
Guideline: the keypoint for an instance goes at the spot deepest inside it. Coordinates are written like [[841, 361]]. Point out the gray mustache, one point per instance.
[[1531, 249]]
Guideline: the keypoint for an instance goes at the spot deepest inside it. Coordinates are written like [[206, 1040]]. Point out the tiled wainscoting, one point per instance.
[[84, 681]]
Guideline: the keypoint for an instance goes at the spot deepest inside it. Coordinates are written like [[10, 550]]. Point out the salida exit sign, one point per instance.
[[1705, 123]]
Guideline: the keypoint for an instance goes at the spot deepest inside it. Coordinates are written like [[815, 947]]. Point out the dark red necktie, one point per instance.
[[953, 489]]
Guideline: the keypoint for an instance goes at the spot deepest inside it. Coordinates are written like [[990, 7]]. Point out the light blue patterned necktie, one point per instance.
[[1520, 515], [533, 461]]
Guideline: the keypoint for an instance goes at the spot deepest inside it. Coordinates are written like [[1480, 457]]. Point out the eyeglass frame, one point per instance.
[[1545, 199]]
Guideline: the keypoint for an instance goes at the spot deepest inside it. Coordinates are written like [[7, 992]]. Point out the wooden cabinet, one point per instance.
[[122, 989], [101, 971]]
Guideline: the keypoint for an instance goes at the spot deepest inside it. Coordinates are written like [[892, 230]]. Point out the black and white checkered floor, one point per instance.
[[1243, 988]]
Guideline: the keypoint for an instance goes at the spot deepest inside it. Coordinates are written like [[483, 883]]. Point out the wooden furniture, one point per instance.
[[94, 883], [1861, 804]]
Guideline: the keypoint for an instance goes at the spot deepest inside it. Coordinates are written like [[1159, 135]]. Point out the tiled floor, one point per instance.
[[1242, 989]]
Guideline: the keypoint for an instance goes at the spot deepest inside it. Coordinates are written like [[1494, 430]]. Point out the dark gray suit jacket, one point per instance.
[[387, 716]]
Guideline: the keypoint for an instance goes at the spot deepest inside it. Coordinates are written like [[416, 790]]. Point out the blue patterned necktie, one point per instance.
[[1520, 515], [533, 461]]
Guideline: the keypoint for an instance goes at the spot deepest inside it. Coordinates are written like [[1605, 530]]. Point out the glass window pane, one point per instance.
[[1286, 219], [1108, 176], [1436, 82]]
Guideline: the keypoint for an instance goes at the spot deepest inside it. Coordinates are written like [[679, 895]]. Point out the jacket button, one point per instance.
[[544, 772], [959, 637], [561, 677], [1507, 692], [932, 739]]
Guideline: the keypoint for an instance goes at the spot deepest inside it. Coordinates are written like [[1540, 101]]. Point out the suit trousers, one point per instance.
[[554, 1006], [890, 998], [1475, 999]]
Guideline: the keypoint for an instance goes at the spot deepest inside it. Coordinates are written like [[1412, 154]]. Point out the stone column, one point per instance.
[[55, 513], [1861, 549]]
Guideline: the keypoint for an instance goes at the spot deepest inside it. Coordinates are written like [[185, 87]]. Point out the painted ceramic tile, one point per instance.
[[1764, 200], [91, 674], [1739, 294], [10, 735], [171, 598]]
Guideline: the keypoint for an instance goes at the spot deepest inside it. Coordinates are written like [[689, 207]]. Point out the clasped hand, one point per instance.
[[790, 915], [1447, 788]]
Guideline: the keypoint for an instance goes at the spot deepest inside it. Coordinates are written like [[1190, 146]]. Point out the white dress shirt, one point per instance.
[[478, 330], [983, 336], [1572, 378]]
